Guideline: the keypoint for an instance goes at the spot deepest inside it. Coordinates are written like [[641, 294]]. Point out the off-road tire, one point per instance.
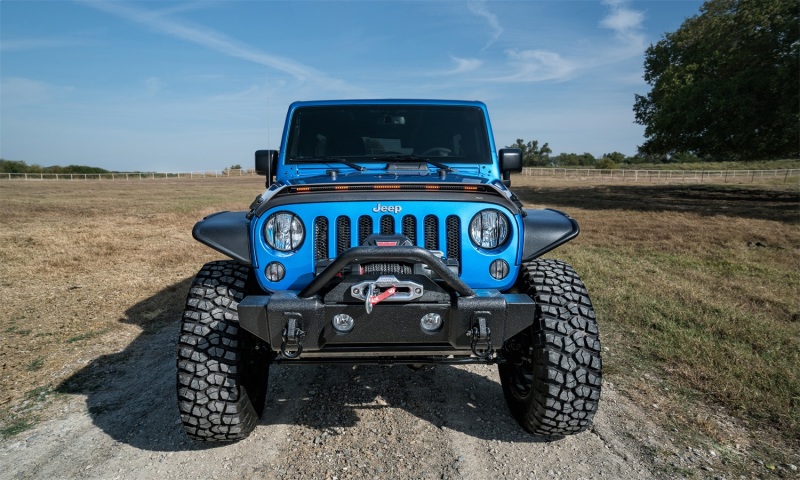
[[552, 379], [222, 369]]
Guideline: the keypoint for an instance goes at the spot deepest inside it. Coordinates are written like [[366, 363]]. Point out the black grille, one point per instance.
[[321, 238], [342, 234], [453, 238], [364, 228], [431, 232], [387, 225], [410, 228]]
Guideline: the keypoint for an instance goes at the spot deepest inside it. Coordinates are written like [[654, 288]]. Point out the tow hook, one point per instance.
[[371, 298], [292, 345], [481, 336], [386, 287]]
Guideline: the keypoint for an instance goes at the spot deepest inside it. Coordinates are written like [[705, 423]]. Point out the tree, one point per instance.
[[725, 83], [574, 160], [532, 155], [614, 157], [606, 163]]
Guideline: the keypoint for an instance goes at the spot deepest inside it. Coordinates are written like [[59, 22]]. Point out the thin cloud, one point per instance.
[[626, 23], [478, 7], [464, 65], [183, 7], [536, 66], [206, 37]]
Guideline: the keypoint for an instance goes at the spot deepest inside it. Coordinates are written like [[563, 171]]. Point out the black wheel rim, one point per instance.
[[522, 378]]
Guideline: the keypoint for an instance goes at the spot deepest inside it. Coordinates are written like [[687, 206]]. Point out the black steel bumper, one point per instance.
[[392, 330], [299, 324]]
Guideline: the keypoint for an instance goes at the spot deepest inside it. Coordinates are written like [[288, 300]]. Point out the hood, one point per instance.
[[343, 175]]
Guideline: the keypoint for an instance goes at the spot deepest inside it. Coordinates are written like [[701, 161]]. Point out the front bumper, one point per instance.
[[299, 324], [391, 331]]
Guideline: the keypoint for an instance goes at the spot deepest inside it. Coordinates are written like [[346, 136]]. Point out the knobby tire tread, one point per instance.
[[213, 401], [567, 366]]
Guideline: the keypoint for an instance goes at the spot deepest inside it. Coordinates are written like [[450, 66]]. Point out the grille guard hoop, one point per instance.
[[365, 254]]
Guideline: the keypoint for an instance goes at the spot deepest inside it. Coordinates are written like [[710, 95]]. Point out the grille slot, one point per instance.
[[342, 234], [453, 224], [321, 238], [410, 228], [364, 228], [387, 225], [431, 224]]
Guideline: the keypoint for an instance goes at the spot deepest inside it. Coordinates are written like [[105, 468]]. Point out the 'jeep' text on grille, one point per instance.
[[383, 208]]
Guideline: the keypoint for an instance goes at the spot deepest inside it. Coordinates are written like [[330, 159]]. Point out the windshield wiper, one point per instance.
[[343, 161], [417, 158]]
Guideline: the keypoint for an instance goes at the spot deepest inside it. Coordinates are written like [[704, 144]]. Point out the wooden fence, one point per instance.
[[127, 176], [666, 176], [578, 174]]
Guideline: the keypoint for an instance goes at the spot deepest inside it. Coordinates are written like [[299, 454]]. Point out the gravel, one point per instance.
[[331, 422]]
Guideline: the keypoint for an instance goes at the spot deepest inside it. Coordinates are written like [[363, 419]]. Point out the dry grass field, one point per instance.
[[696, 288]]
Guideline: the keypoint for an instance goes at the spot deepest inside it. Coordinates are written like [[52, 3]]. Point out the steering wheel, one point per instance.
[[437, 152]]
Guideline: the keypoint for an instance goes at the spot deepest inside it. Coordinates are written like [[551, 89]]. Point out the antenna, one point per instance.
[[269, 140]]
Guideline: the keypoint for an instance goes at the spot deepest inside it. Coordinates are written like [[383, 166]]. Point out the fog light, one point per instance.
[[431, 322], [275, 272], [499, 269], [343, 323]]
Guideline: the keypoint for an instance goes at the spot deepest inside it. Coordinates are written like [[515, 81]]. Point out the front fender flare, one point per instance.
[[544, 230], [226, 232]]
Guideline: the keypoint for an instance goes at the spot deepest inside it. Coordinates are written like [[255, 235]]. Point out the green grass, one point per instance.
[[87, 335], [17, 426], [695, 320], [35, 365]]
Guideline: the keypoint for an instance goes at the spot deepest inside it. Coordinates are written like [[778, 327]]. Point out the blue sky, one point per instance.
[[190, 86]]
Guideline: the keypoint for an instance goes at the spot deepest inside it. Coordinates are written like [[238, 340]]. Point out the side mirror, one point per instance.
[[510, 161], [267, 164]]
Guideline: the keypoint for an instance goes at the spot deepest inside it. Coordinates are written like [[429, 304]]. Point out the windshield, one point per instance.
[[402, 133]]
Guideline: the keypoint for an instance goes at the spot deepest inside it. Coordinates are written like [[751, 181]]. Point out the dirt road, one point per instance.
[[118, 419]]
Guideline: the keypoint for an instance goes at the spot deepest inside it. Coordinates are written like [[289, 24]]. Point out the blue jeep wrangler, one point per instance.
[[387, 235]]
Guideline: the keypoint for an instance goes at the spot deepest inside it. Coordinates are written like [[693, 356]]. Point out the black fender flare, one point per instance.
[[226, 232], [544, 230]]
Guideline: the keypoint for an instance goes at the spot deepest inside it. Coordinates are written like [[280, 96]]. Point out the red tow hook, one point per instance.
[[383, 296], [370, 299]]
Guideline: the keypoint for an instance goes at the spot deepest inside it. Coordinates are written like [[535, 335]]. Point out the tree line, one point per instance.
[[535, 156], [19, 166]]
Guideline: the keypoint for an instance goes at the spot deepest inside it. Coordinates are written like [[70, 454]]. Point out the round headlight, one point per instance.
[[284, 231], [488, 229]]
